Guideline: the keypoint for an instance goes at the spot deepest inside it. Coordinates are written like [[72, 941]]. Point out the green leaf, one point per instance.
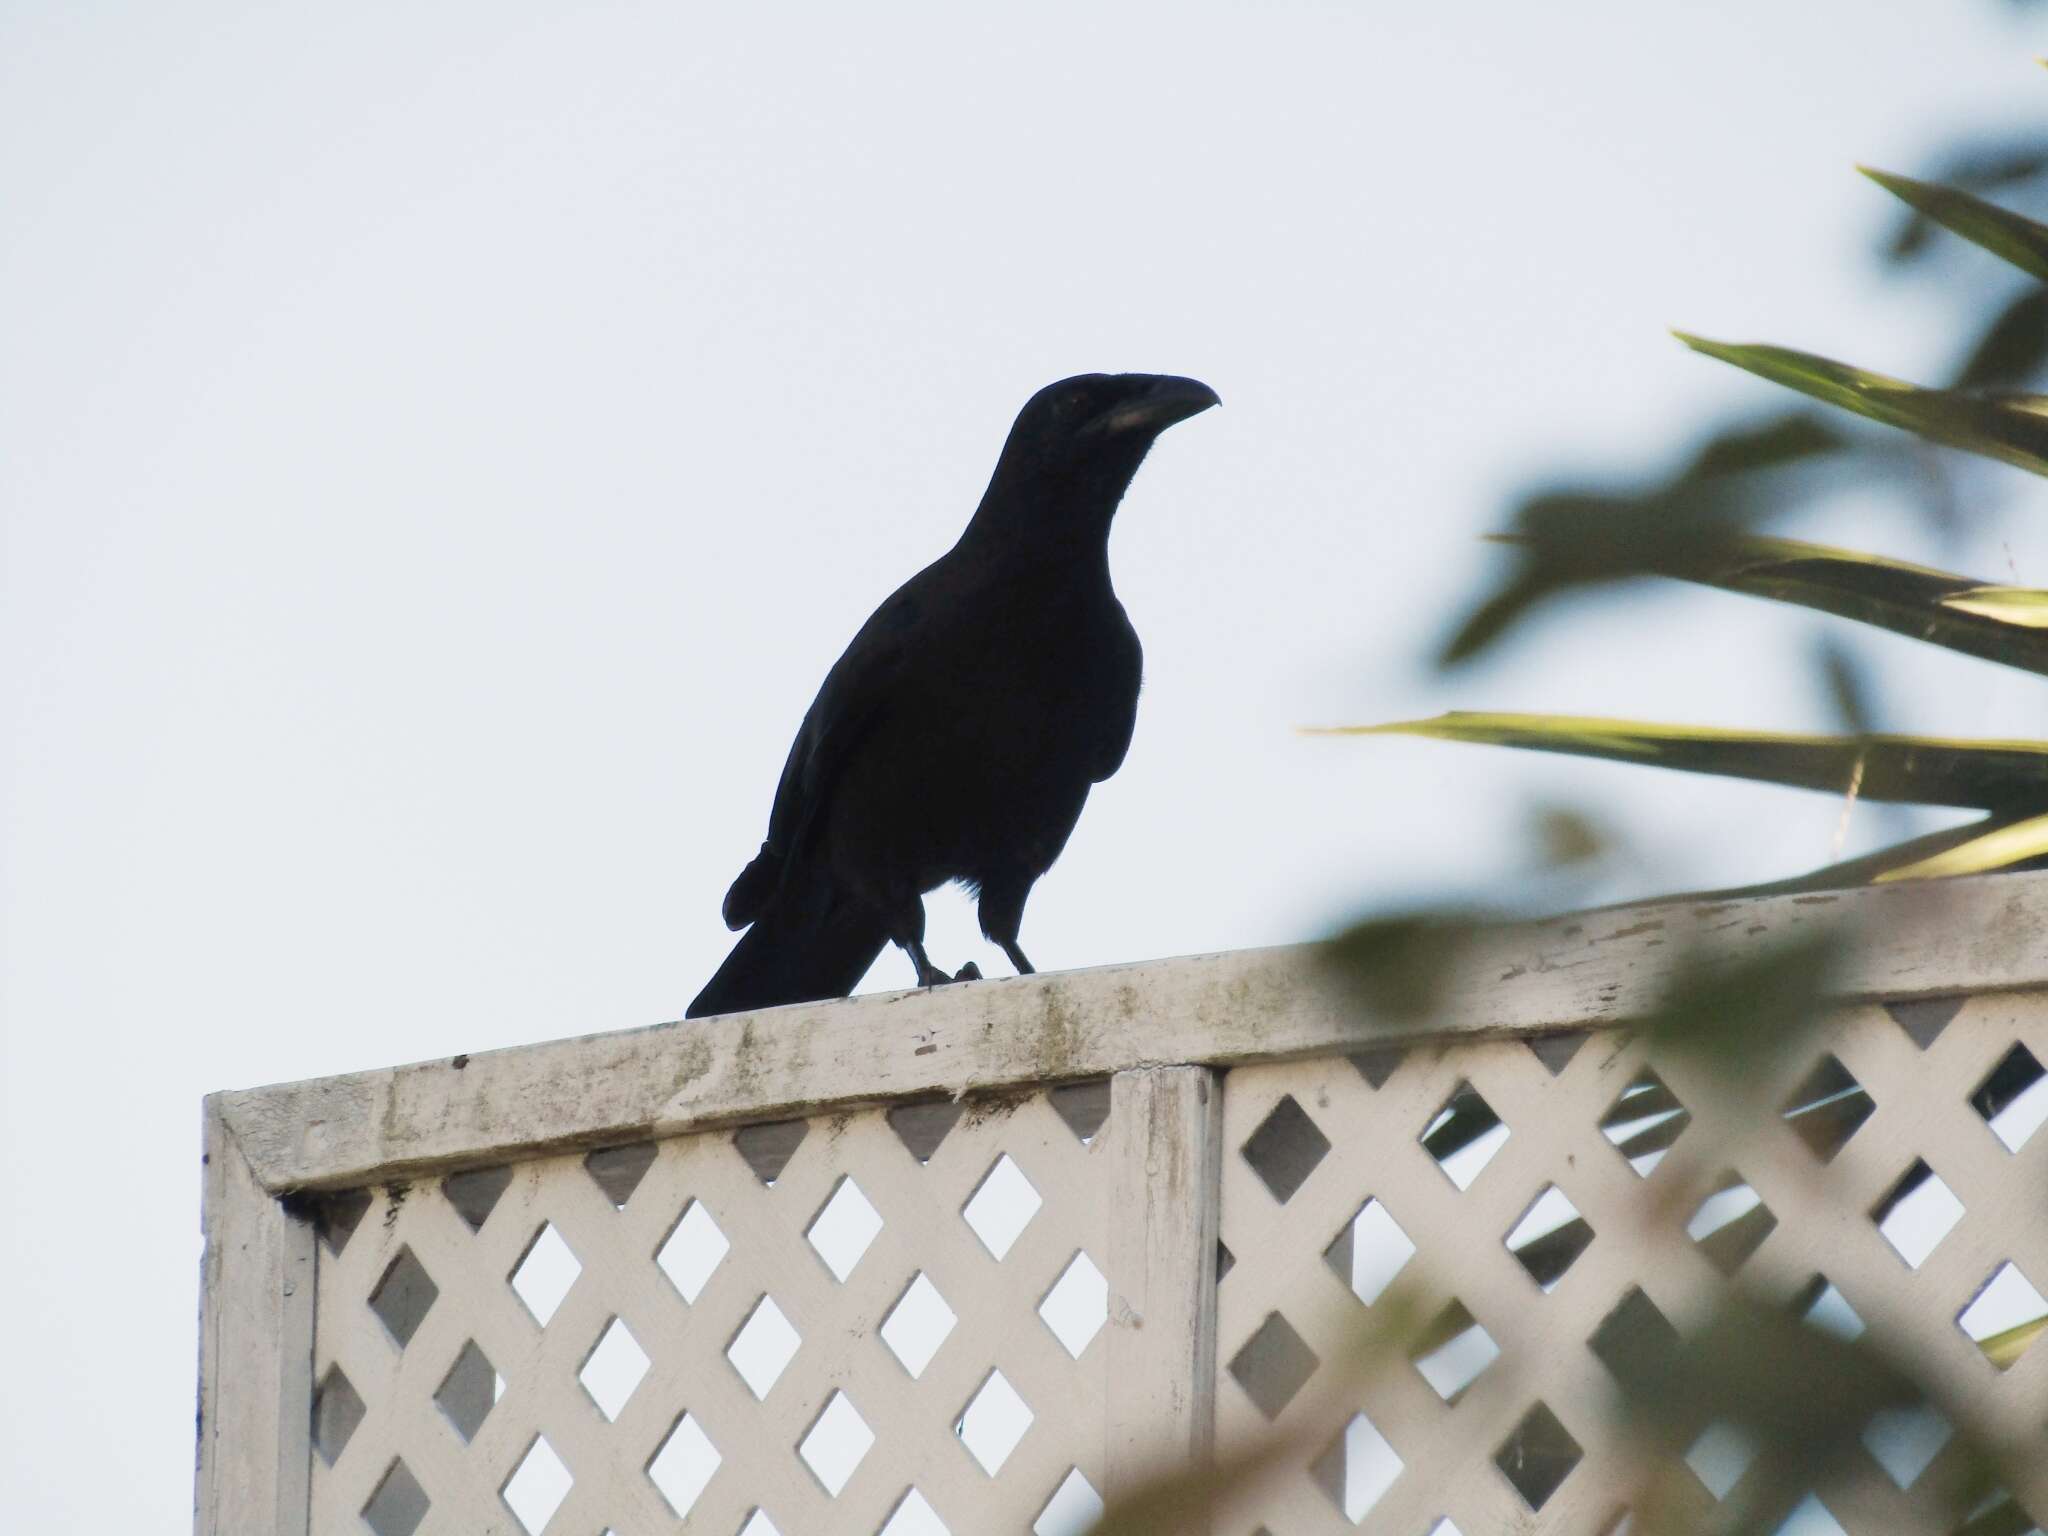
[[2003, 846], [2010, 427], [2003, 624], [1917, 770], [1999, 230], [2013, 349], [1573, 536], [2012, 607]]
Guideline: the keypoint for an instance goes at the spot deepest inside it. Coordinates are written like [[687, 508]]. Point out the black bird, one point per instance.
[[958, 736]]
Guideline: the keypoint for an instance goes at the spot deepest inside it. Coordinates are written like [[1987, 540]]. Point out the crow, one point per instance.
[[958, 736]]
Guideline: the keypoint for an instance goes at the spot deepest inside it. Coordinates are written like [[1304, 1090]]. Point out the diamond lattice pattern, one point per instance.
[[1590, 1217], [620, 1342]]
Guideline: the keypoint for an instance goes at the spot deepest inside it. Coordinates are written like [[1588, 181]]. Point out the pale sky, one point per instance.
[[443, 448]]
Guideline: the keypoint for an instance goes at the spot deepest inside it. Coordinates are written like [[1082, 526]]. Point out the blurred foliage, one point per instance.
[[1802, 1397], [1701, 525]]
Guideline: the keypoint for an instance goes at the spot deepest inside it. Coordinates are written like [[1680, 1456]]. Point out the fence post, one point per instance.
[[255, 1352], [1165, 1127]]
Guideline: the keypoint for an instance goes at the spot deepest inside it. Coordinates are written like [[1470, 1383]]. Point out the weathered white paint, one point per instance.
[[1591, 970], [1147, 1199], [1164, 1148], [255, 1351]]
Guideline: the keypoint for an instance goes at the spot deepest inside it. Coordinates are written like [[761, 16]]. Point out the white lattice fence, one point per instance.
[[851, 1340], [1581, 1215], [974, 1260]]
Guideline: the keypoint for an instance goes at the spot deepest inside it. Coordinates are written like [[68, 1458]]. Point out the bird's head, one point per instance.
[[1076, 444]]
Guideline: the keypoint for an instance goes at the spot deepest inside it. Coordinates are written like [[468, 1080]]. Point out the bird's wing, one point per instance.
[[858, 694], [1124, 666]]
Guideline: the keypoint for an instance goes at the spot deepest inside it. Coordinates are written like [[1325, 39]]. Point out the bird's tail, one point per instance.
[[804, 946]]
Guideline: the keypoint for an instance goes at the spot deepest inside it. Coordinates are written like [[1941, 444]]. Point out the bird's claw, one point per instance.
[[968, 972]]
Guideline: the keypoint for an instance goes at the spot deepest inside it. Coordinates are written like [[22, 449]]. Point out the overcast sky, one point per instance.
[[443, 447]]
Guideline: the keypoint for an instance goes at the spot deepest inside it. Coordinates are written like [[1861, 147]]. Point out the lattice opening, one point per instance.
[[1999, 1514], [922, 1124], [469, 1391], [1731, 1223], [337, 1413], [1453, 1351], [1369, 1251], [917, 1325], [1827, 1108], [475, 1194], [619, 1170], [838, 1441], [2013, 1099], [1905, 1441], [1445, 1528], [613, 1370], [1917, 1213], [1549, 1238], [2006, 1317], [1821, 1306], [1273, 1365], [1925, 1018], [398, 1505], [1077, 1305], [684, 1465], [844, 1227], [1810, 1517], [537, 1486], [1001, 1207], [545, 1273], [1357, 1469], [1720, 1457], [914, 1516], [1636, 1342], [758, 1524], [763, 1347], [768, 1147], [1556, 1051], [337, 1216], [693, 1249], [1285, 1149], [1378, 1065], [1072, 1510], [1083, 1107], [1225, 1261], [1538, 1456], [993, 1422], [1644, 1121], [1463, 1136], [403, 1296]]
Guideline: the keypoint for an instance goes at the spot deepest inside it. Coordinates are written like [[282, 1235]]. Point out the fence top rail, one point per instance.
[[1589, 970]]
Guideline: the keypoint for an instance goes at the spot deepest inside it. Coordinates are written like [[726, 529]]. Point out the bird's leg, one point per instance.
[[928, 975], [1002, 914]]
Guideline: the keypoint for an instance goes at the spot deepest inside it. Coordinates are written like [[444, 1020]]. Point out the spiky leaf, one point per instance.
[[1917, 770], [2010, 427], [2004, 233], [2001, 847]]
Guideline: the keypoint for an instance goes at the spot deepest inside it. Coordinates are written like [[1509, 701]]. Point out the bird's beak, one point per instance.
[[1156, 404]]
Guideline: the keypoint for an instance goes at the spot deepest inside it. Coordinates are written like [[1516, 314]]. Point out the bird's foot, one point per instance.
[[968, 972]]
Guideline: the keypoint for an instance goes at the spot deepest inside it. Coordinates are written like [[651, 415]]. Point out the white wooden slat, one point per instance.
[[255, 1350], [1918, 939]]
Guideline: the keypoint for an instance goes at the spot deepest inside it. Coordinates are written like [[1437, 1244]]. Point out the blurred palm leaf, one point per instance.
[[2003, 624], [2011, 842], [2014, 347], [2004, 233], [1917, 770], [2010, 427]]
